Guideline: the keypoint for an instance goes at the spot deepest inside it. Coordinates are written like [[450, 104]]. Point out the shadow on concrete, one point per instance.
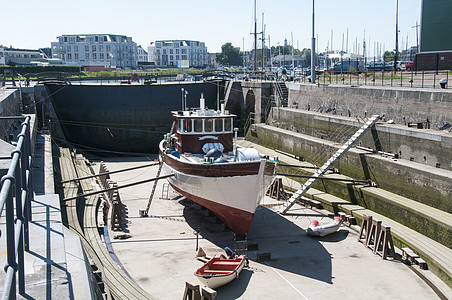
[[290, 247]]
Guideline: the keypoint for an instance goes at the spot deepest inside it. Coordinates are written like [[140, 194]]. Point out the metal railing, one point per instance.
[[16, 186], [412, 79]]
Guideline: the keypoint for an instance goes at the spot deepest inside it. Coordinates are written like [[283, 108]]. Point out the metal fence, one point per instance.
[[15, 196], [415, 79]]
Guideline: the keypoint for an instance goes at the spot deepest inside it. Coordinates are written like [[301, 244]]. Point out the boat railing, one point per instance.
[[17, 187]]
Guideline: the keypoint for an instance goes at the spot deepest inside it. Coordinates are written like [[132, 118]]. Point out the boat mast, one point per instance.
[[255, 38]]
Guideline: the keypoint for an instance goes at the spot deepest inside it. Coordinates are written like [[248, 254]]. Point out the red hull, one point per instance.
[[237, 220]]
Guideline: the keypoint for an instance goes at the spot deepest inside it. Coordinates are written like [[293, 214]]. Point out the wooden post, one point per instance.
[[208, 294]]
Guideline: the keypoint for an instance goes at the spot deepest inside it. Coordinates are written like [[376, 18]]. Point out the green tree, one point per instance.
[[229, 56], [388, 56], [306, 55]]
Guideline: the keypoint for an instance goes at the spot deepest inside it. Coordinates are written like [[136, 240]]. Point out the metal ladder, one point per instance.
[[338, 154]]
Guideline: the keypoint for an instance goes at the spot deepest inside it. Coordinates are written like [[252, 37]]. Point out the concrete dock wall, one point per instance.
[[425, 146], [428, 185], [403, 105]]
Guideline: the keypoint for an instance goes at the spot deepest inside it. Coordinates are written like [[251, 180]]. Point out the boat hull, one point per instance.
[[221, 275], [232, 199], [122, 118]]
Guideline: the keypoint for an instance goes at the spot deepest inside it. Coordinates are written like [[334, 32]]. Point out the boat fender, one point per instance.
[[229, 252], [315, 223]]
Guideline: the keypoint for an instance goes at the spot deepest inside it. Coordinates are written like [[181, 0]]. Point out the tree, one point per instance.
[[388, 56], [306, 55], [229, 56]]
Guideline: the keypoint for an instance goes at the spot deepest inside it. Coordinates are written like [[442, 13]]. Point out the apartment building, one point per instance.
[[14, 56], [178, 53], [105, 50]]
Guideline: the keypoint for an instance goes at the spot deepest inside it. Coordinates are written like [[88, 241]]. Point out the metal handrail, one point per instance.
[[17, 185]]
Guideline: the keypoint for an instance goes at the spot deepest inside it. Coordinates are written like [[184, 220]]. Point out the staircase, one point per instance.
[[282, 92], [337, 155]]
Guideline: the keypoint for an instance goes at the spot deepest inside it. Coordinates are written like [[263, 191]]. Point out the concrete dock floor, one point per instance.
[[160, 252]]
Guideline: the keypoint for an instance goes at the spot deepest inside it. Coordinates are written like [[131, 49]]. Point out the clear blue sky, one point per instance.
[[34, 24]]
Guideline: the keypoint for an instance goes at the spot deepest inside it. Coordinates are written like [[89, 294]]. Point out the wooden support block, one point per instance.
[[373, 234], [351, 220], [384, 245], [263, 256], [192, 291], [422, 263], [208, 293], [316, 204], [365, 228]]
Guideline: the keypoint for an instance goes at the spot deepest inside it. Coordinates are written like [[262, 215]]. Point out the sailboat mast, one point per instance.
[[255, 37]]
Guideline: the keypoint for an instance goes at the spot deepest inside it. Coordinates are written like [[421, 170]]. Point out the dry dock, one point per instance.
[[159, 254]]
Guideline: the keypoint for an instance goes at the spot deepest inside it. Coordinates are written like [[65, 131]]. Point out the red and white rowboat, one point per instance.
[[220, 270]]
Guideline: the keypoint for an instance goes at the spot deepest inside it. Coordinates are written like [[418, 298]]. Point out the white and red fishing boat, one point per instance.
[[211, 169], [220, 270]]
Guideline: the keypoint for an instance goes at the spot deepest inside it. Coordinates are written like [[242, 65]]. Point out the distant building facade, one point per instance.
[[14, 56], [435, 51], [178, 53], [106, 50], [142, 55]]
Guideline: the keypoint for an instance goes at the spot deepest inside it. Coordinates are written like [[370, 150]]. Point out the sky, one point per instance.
[[35, 24]]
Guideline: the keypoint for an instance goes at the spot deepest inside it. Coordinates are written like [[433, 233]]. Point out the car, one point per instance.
[[406, 65], [379, 66]]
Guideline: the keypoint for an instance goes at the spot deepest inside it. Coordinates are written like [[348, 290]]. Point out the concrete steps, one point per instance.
[[437, 255]]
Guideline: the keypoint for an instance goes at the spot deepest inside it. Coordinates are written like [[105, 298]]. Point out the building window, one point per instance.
[[184, 51], [177, 57], [171, 51], [198, 125], [69, 48], [86, 55], [93, 48], [101, 48], [86, 48], [76, 48], [94, 56], [69, 56], [76, 55], [101, 56], [164, 51], [184, 57], [177, 51], [107, 48]]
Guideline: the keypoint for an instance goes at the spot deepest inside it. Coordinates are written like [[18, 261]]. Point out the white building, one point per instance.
[[178, 53], [14, 56], [142, 55], [102, 50]]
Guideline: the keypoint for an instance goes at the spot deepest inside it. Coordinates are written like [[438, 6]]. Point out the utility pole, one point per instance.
[[396, 35], [255, 38], [263, 42], [313, 47], [417, 36]]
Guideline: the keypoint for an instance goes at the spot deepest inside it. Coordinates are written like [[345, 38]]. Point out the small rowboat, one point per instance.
[[316, 229], [220, 270]]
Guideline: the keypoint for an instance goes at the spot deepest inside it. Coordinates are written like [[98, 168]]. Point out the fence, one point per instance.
[[416, 79], [17, 185]]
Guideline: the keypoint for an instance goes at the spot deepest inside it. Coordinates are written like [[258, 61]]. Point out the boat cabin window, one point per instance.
[[198, 125], [187, 125], [227, 124], [218, 125], [208, 125]]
